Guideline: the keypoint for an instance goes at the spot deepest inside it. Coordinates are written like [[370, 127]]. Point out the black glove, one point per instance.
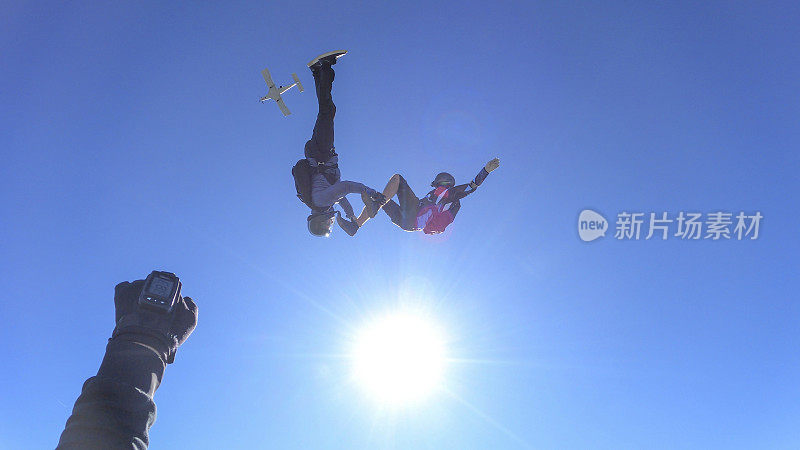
[[162, 332]]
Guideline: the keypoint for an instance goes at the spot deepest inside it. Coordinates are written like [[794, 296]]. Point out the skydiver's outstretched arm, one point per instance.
[[464, 190]]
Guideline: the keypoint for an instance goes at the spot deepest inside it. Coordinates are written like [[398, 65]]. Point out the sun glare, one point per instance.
[[399, 358]]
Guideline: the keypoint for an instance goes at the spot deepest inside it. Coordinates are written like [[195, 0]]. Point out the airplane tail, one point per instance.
[[297, 80]]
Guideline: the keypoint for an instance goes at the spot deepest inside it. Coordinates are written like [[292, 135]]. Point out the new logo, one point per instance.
[[591, 225]]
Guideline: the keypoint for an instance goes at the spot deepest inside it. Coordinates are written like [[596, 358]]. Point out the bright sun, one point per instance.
[[399, 358]]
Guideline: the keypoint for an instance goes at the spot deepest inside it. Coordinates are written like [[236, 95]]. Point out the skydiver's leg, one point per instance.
[[320, 146], [363, 217], [392, 209], [335, 192], [404, 214], [409, 203], [388, 192], [391, 187]]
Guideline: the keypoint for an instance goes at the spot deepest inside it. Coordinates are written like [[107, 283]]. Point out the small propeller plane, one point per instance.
[[276, 91]]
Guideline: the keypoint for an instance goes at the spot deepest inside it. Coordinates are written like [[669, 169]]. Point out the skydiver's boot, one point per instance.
[[328, 58]]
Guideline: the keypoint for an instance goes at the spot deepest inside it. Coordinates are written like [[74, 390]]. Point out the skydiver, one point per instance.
[[430, 214], [327, 189]]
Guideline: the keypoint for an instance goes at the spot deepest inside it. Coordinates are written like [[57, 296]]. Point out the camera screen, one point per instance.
[[160, 287]]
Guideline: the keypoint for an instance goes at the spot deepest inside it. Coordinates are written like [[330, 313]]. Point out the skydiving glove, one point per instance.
[[349, 226], [373, 201], [144, 342], [379, 198], [492, 165], [162, 332]]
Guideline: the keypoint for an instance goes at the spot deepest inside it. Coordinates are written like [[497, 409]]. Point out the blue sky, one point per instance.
[[132, 140]]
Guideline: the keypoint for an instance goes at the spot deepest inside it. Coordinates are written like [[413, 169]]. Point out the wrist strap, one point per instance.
[[163, 344]]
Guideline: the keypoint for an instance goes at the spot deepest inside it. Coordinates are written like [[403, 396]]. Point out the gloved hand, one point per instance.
[[378, 197], [491, 165], [162, 332], [349, 226], [373, 201]]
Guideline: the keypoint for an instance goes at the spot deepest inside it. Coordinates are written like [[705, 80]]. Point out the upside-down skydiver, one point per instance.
[[317, 176]]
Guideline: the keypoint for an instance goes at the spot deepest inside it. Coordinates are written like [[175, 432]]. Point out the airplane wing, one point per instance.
[[283, 107], [267, 78]]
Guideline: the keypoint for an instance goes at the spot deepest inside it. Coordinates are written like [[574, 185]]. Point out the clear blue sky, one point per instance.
[[132, 140]]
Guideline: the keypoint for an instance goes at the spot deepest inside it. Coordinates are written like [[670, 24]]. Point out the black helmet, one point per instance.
[[443, 179], [320, 224]]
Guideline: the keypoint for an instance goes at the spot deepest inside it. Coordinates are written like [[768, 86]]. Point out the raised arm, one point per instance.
[[464, 190], [116, 408]]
